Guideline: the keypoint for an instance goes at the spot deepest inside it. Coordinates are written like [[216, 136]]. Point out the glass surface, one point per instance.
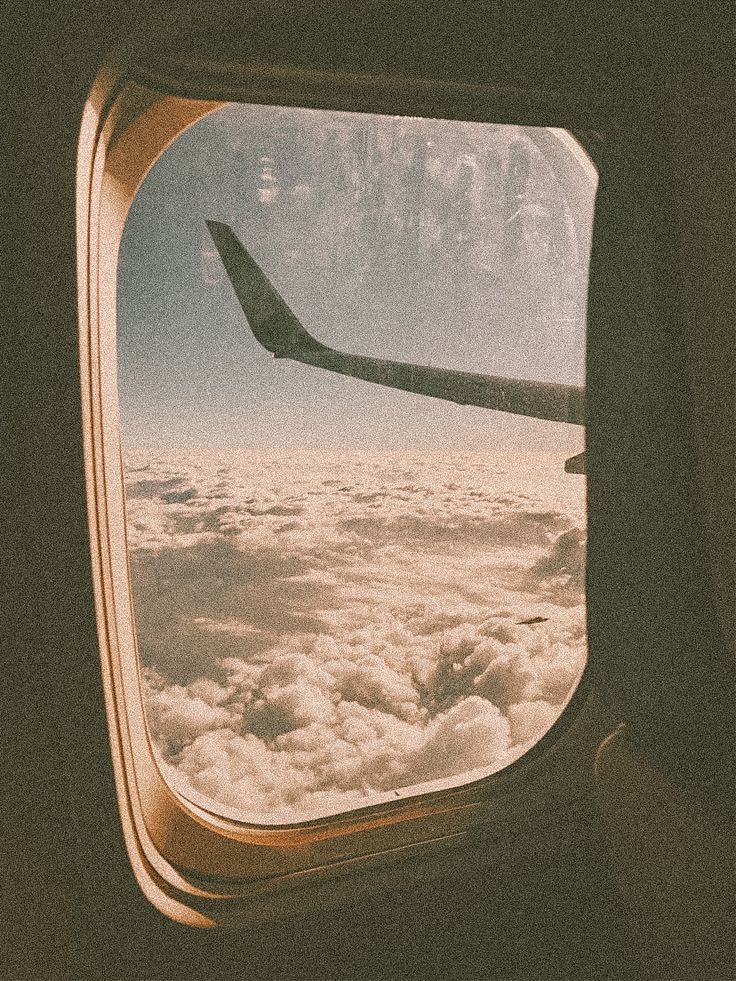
[[345, 594]]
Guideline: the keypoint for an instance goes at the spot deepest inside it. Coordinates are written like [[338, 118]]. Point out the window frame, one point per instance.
[[193, 865]]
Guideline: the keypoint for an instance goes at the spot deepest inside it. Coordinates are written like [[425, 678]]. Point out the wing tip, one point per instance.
[[271, 321]]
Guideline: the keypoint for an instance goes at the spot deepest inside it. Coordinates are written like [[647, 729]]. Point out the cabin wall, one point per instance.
[[540, 904]]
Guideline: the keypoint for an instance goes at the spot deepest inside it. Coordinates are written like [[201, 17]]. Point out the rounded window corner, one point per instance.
[[177, 841]]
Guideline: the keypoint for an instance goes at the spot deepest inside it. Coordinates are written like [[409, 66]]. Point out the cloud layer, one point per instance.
[[320, 632]]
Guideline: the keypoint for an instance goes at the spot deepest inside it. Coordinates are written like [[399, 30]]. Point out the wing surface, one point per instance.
[[277, 329]]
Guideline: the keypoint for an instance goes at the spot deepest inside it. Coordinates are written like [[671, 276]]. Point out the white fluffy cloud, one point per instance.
[[319, 633]]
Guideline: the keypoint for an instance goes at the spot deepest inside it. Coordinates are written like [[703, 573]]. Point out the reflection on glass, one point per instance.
[[346, 594]]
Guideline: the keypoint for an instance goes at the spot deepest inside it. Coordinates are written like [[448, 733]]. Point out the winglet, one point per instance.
[[272, 322]]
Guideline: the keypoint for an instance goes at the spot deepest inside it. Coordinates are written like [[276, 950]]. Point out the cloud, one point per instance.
[[321, 633]]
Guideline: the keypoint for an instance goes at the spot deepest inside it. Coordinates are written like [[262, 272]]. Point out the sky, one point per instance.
[[343, 593], [436, 242]]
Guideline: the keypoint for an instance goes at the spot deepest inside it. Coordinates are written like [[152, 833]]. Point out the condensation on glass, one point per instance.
[[346, 594]]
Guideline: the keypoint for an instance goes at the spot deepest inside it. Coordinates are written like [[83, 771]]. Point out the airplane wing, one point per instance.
[[277, 329]]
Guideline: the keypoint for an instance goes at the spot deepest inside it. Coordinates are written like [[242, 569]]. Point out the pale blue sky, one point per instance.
[[302, 189]]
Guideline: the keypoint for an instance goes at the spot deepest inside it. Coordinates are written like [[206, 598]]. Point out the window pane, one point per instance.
[[344, 593]]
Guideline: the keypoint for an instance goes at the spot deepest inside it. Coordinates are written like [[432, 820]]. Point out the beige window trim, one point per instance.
[[193, 865]]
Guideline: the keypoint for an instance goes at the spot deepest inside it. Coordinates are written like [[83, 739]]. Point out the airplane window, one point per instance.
[[347, 593]]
